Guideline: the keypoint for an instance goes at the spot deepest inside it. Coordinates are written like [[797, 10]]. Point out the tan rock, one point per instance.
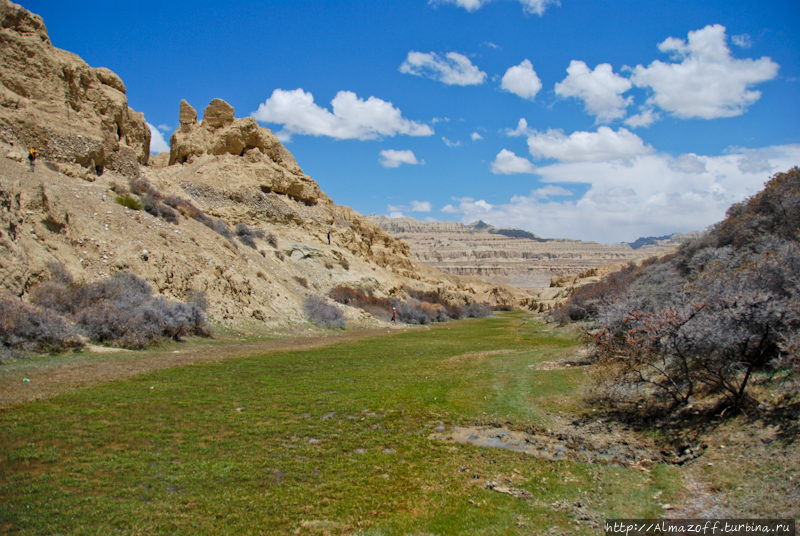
[[217, 114], [52, 100], [188, 115]]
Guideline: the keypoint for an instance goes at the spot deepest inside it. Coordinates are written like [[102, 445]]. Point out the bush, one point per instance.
[[128, 201], [121, 310], [378, 307], [706, 321], [272, 240], [246, 235], [302, 280], [478, 310], [27, 327], [323, 313]]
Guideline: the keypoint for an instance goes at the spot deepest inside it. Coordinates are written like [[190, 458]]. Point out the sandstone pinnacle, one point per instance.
[[188, 115]]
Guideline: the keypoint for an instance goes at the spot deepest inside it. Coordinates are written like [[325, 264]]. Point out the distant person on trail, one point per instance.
[[394, 316], [329, 238], [32, 157]]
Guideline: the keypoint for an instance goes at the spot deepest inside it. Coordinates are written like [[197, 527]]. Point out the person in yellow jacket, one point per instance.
[[32, 157]]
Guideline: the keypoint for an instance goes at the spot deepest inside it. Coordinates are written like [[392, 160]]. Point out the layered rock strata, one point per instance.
[[507, 257]]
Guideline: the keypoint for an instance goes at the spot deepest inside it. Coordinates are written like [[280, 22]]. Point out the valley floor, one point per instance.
[[469, 427]]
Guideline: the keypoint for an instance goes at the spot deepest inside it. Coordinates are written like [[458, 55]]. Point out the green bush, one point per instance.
[[128, 201]]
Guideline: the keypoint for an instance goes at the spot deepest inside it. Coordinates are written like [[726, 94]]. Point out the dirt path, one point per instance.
[[44, 377]]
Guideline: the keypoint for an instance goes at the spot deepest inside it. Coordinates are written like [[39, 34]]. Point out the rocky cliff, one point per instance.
[[510, 256], [52, 100], [228, 213]]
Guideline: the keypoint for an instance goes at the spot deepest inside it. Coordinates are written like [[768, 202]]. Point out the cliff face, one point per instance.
[[221, 175], [506, 256], [52, 100]]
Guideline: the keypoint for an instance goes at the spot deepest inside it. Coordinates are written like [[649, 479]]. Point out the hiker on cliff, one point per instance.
[[394, 316], [32, 157], [329, 238]]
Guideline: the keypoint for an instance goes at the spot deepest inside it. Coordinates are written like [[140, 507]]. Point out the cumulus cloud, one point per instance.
[[536, 7], [651, 195], [508, 163], [453, 69], [450, 143], [393, 159], [157, 142], [420, 206], [704, 80], [643, 119], [522, 80], [605, 145], [476, 136], [601, 90], [352, 117], [521, 130]]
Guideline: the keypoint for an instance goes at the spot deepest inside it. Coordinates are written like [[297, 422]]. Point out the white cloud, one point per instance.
[[395, 214], [601, 90], [453, 69], [521, 130], [537, 7], [604, 145], [643, 119], [451, 143], [157, 142], [420, 206], [707, 83], [652, 195], [688, 163], [551, 190], [393, 159], [522, 80], [476, 136], [742, 40], [164, 128], [508, 163], [352, 117]]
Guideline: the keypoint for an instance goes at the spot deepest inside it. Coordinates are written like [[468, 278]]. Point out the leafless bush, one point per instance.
[[272, 240], [26, 327], [378, 307], [478, 310], [121, 310], [706, 321], [323, 313], [247, 235]]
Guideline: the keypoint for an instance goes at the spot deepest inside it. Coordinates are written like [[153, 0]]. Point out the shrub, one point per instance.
[[478, 310], [302, 280], [129, 202], [323, 313], [272, 240], [122, 310], [246, 235], [378, 307], [705, 321], [27, 327]]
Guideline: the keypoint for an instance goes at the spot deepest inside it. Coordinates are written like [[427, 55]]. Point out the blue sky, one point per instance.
[[596, 120]]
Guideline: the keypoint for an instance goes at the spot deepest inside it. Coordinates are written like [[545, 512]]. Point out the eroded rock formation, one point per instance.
[[249, 153], [53, 100]]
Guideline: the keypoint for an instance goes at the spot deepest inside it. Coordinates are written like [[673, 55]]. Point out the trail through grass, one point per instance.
[[323, 441]]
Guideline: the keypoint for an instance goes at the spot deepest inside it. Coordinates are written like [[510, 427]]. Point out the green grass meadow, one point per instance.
[[325, 441]]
